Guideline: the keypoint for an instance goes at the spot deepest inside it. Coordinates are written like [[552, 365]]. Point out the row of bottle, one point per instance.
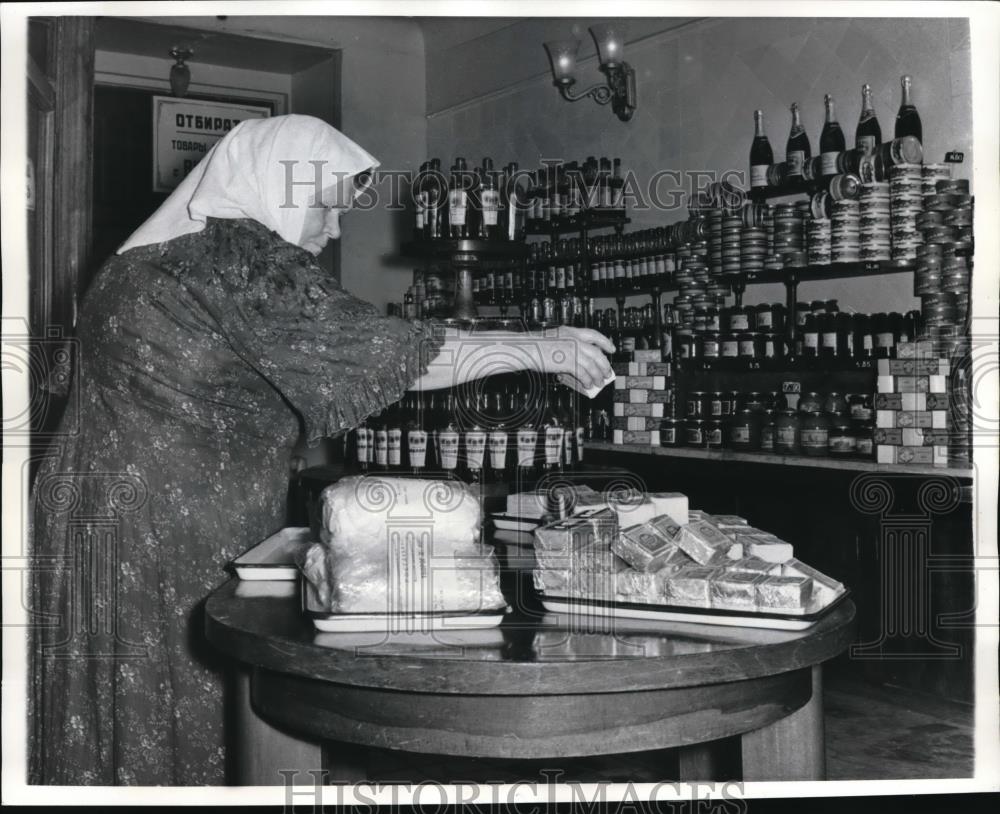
[[566, 190], [834, 158], [489, 431], [477, 204]]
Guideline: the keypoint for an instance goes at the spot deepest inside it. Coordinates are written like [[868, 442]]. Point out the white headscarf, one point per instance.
[[242, 177]]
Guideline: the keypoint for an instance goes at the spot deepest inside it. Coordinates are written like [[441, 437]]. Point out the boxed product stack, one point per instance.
[[642, 398], [694, 560], [912, 406]]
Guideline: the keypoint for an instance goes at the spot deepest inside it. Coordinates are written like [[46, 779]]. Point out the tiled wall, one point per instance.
[[697, 89]]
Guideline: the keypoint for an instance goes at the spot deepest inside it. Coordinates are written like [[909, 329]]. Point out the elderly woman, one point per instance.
[[209, 343]]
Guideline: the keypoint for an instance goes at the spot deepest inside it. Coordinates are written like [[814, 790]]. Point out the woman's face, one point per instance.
[[322, 224]]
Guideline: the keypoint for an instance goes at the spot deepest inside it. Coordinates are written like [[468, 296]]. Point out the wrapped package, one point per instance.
[[593, 576], [644, 548], [533, 505], [632, 509], [707, 545], [730, 521], [691, 587], [796, 568], [764, 545], [735, 591], [667, 527], [401, 545], [672, 504], [753, 565], [642, 586], [778, 593], [695, 515], [560, 544]]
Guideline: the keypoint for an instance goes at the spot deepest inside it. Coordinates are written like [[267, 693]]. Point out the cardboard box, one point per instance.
[[926, 419], [672, 504], [648, 409]]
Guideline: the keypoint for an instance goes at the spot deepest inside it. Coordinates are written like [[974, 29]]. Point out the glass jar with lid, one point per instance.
[[773, 353], [842, 442], [694, 433], [864, 439], [815, 433], [713, 434], [777, 401], [811, 402], [709, 347], [834, 404], [767, 431], [787, 428], [714, 405], [696, 404], [860, 406], [671, 432], [745, 430], [757, 402]]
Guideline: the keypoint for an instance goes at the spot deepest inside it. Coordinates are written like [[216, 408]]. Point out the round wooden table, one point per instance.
[[538, 686]]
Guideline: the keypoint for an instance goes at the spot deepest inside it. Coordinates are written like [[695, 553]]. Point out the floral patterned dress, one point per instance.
[[202, 359]]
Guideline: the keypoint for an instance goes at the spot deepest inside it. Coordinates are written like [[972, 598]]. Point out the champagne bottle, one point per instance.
[[868, 134], [381, 442], [554, 432], [907, 119], [435, 200], [363, 445], [797, 149], [394, 438], [420, 199], [527, 441], [489, 196], [761, 155], [458, 201], [831, 140], [498, 439], [474, 437]]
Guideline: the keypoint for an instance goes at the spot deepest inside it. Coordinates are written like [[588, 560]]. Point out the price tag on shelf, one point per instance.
[[872, 268], [791, 387], [954, 157]]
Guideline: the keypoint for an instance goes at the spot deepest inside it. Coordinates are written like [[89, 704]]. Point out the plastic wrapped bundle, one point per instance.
[[401, 545]]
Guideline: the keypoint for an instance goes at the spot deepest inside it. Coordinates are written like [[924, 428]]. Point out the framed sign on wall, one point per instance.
[[184, 130]]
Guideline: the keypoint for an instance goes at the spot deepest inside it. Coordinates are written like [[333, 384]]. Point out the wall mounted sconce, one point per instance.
[[180, 74], [619, 88]]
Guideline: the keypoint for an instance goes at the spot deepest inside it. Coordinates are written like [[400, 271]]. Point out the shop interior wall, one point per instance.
[[699, 82], [382, 107]]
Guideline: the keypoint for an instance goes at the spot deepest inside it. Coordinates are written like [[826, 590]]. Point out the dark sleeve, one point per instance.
[[332, 356]]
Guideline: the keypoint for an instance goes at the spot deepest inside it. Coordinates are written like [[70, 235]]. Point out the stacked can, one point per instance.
[[732, 227], [930, 174], [715, 241], [944, 264], [819, 237], [875, 222], [845, 231], [906, 204], [788, 243], [753, 249]]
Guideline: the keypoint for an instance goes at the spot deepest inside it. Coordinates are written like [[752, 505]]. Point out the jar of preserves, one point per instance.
[[685, 345], [767, 431], [712, 321], [811, 402], [860, 406], [882, 336], [810, 337], [730, 346], [842, 438], [695, 404], [713, 434], [828, 336], [786, 432], [739, 319], [671, 432], [773, 351], [815, 434], [764, 317], [864, 439], [863, 342], [834, 404], [756, 402], [709, 346], [729, 402], [751, 346], [714, 405], [694, 432], [745, 430]]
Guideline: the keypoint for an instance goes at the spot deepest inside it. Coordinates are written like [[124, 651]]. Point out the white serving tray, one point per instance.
[[677, 613], [273, 558], [327, 622]]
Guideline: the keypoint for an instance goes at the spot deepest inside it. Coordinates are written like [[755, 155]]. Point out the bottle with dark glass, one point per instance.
[[831, 140], [364, 441], [907, 119], [448, 435], [432, 417], [458, 201], [512, 204], [394, 437], [868, 135], [810, 337], [498, 439], [552, 431], [416, 435], [435, 200], [420, 200], [575, 426], [797, 150], [761, 155], [527, 436], [474, 436], [489, 202]]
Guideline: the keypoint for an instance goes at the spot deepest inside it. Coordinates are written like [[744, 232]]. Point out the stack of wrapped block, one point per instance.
[[642, 398], [677, 557], [913, 421]]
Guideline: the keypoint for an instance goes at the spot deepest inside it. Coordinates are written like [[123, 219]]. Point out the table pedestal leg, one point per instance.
[[792, 748], [262, 751]]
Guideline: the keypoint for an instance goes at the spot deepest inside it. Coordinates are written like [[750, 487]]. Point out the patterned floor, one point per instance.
[[872, 733]]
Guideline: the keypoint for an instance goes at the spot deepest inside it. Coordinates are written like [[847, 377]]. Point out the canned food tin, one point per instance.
[[713, 434], [696, 405], [694, 432], [671, 432]]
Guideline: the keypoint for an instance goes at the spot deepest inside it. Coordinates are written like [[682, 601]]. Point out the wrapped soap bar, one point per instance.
[[643, 547], [672, 504], [691, 587], [706, 544], [696, 514], [632, 509], [753, 565], [735, 591], [784, 593], [730, 521], [556, 543], [642, 586], [667, 527], [776, 551], [797, 568]]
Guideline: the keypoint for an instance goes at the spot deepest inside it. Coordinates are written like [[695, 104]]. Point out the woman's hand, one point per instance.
[[577, 356]]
